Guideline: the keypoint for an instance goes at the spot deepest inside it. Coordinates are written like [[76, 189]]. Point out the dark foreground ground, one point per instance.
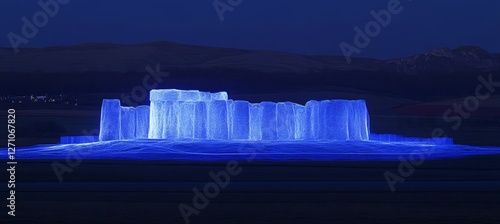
[[465, 190]]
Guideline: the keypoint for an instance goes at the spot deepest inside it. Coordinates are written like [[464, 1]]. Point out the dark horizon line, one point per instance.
[[233, 48]]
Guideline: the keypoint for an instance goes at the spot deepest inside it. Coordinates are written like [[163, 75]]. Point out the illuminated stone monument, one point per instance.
[[191, 114]]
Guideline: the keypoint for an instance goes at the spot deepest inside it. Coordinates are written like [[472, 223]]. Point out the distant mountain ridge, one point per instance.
[[465, 58], [105, 57]]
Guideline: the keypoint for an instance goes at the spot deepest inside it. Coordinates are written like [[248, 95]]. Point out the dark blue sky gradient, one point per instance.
[[306, 27]]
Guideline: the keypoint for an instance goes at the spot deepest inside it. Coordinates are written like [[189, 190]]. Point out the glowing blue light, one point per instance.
[[254, 121], [217, 119], [312, 120], [301, 124], [127, 129], [169, 120], [391, 138], [78, 139], [268, 121], [156, 119], [285, 123], [185, 95], [239, 125], [191, 114], [186, 120], [142, 121], [200, 120], [110, 120], [223, 150], [209, 126]]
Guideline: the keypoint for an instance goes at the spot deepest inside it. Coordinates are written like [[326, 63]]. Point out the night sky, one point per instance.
[[306, 27]]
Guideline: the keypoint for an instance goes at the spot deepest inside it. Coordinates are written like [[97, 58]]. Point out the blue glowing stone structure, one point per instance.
[[254, 119], [142, 121], [239, 114], [285, 121], [268, 121], [110, 120], [127, 127], [217, 119], [312, 120], [191, 114], [78, 139], [200, 120], [299, 115], [402, 139]]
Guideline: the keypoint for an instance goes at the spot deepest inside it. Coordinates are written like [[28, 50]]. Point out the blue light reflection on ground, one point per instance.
[[215, 150]]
